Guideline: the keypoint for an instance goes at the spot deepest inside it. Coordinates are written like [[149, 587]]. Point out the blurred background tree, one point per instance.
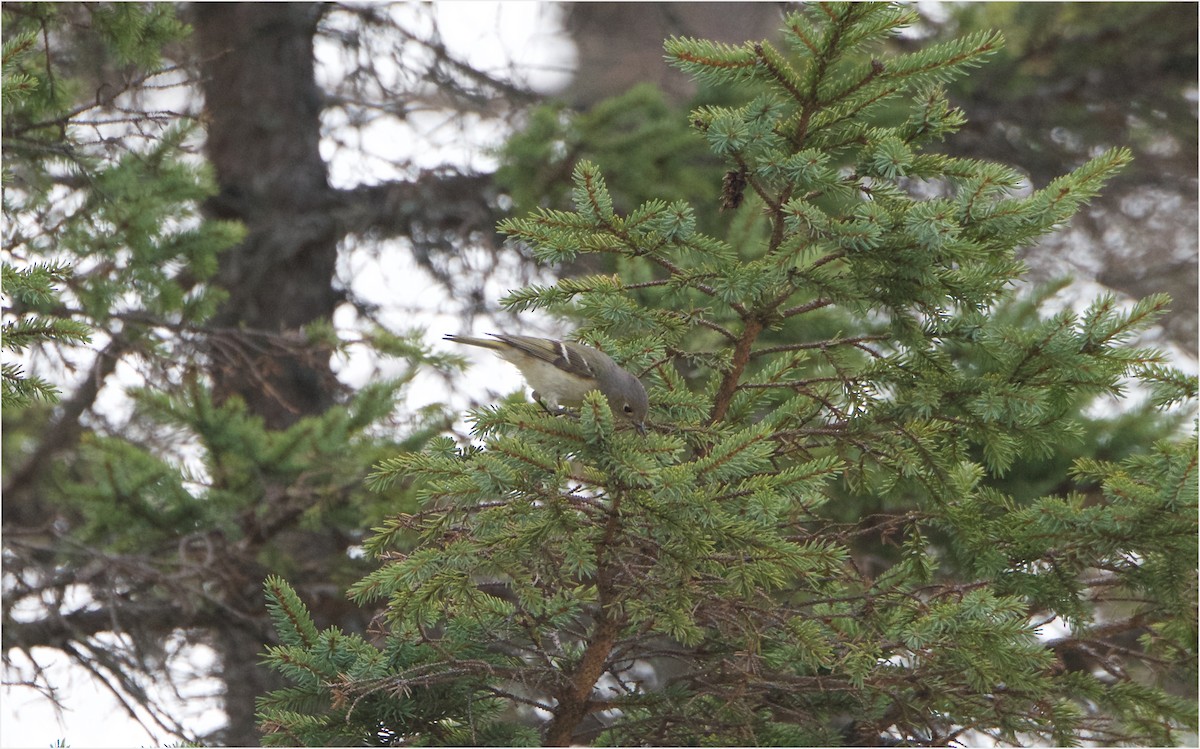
[[217, 259]]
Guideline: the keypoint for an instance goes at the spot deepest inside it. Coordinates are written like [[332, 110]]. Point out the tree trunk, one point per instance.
[[263, 115], [263, 111]]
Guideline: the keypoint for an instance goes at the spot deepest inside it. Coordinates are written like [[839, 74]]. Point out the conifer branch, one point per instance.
[[741, 357], [728, 334], [801, 309], [574, 698], [780, 70], [855, 341]]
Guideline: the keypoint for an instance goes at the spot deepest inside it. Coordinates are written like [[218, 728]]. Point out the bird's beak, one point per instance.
[[640, 427]]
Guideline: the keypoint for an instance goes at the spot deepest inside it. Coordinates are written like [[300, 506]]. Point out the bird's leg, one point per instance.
[[555, 411], [553, 408]]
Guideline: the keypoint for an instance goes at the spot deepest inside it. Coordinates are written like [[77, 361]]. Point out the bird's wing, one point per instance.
[[562, 354]]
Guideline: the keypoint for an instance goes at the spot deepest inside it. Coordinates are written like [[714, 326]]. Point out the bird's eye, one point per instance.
[[628, 408]]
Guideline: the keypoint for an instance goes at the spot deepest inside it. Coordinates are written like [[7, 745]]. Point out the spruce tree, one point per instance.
[[852, 343]]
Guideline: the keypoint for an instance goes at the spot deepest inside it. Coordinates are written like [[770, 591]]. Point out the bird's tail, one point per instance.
[[471, 341]]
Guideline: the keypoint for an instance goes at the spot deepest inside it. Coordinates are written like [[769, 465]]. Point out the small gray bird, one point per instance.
[[561, 372]]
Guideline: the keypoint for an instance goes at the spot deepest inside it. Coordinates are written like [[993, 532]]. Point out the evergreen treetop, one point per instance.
[[811, 547]]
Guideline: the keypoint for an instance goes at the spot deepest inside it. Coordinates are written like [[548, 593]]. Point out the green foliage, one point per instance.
[[34, 286], [152, 486], [349, 693], [125, 498], [820, 540], [660, 158], [18, 84], [70, 204], [137, 33]]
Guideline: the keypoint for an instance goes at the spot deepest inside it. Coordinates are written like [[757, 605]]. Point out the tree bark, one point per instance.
[[263, 108]]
